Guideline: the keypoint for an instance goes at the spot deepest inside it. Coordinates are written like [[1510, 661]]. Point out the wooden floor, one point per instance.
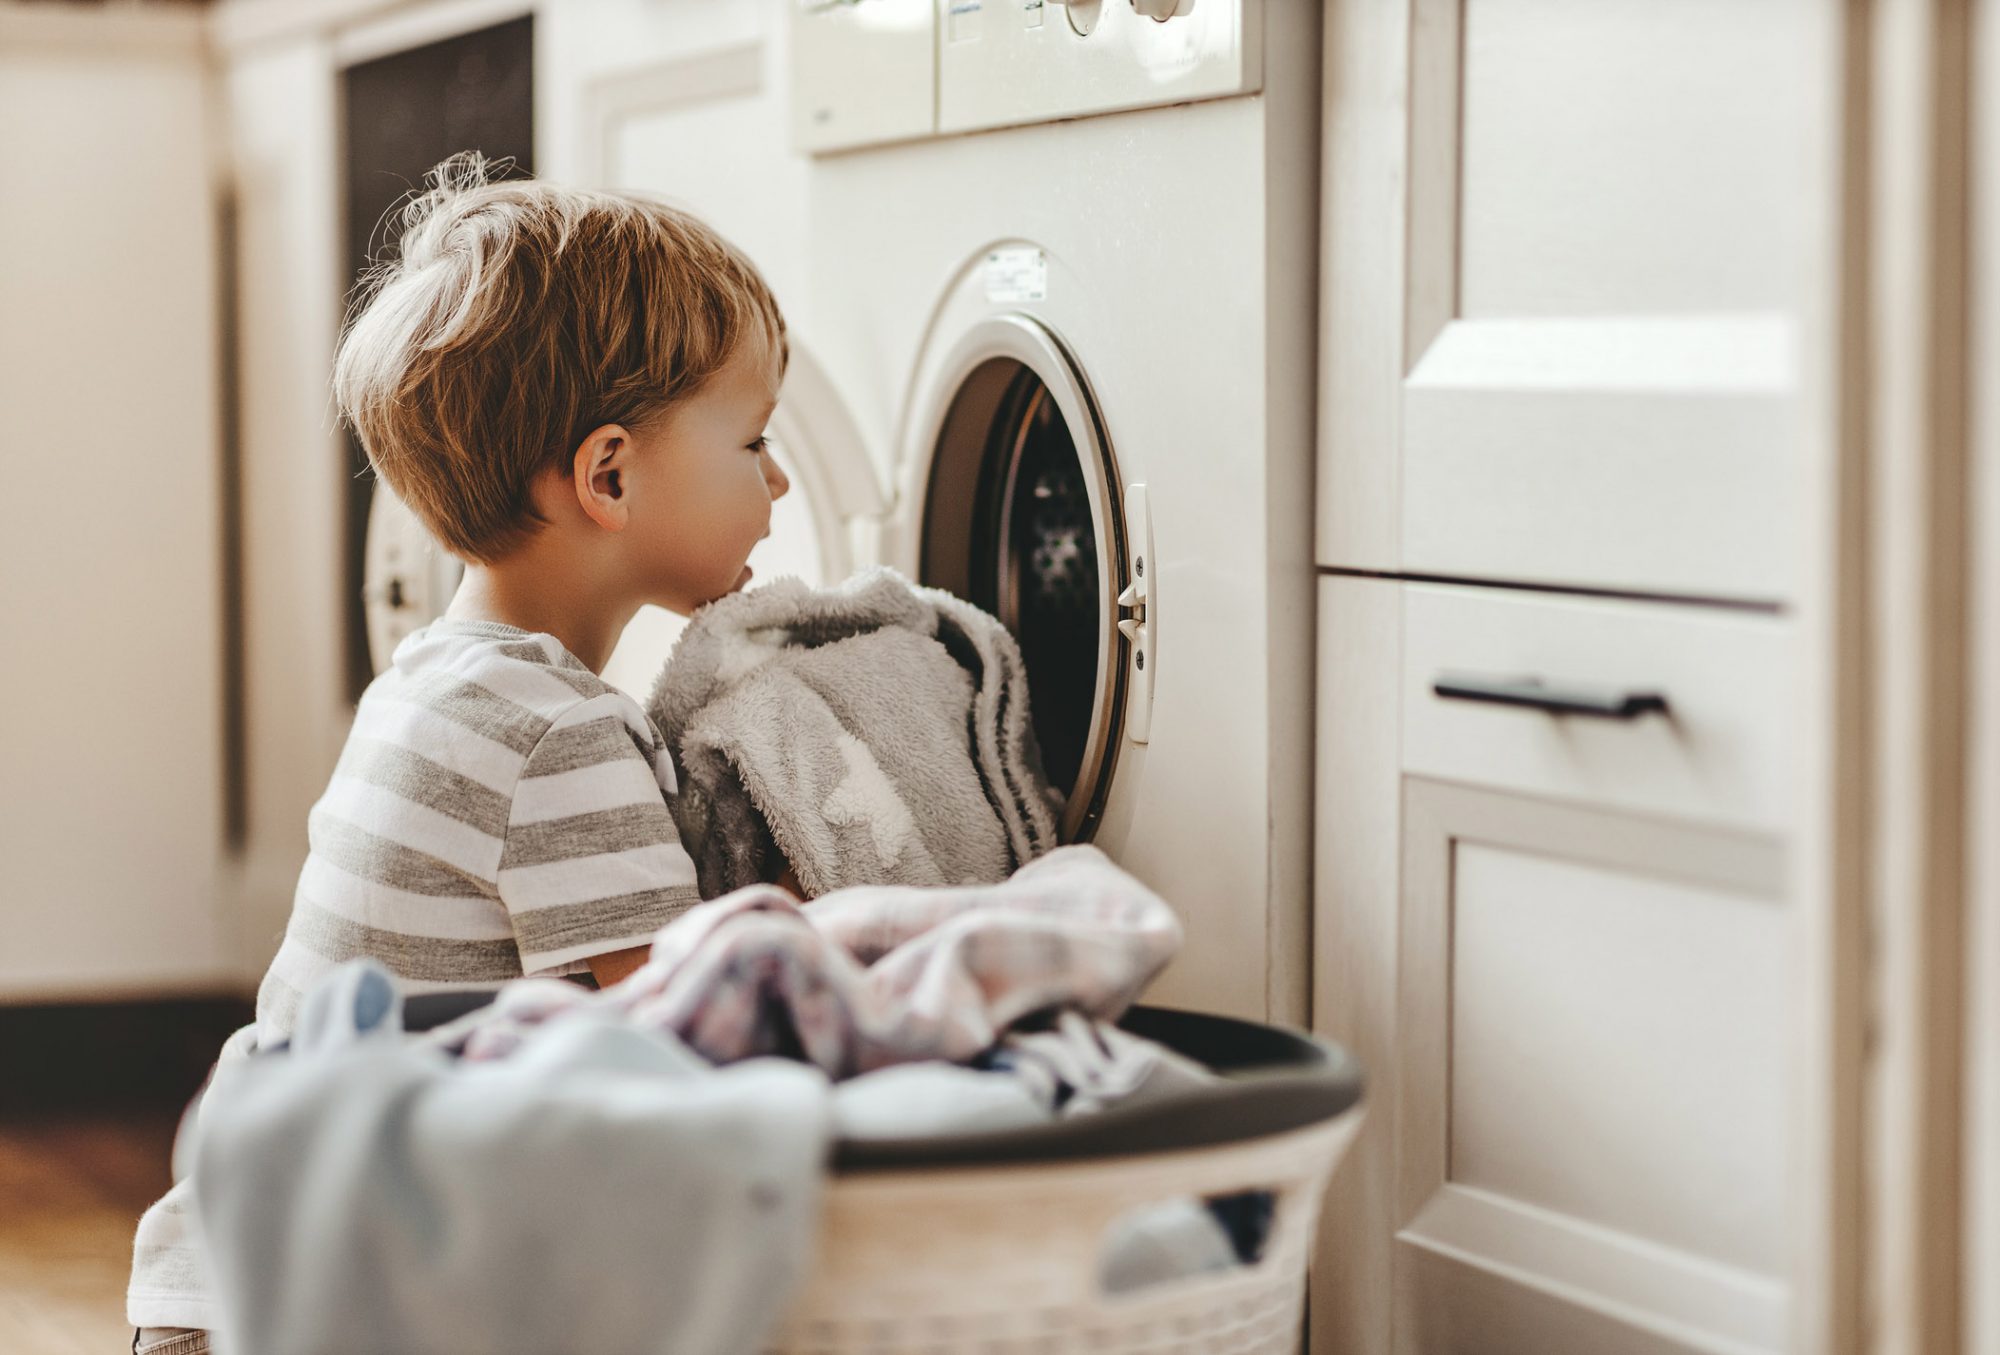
[[71, 1189]]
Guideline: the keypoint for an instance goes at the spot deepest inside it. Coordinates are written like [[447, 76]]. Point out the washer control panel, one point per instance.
[[1006, 62], [871, 71], [863, 72]]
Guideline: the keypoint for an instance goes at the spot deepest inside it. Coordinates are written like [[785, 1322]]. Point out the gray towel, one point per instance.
[[873, 733]]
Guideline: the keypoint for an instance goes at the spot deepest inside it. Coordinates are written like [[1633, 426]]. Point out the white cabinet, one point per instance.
[[1576, 276], [1576, 241], [1604, 396], [110, 536], [1561, 944]]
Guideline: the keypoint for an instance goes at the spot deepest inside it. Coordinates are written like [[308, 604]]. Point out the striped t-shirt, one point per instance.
[[498, 810]]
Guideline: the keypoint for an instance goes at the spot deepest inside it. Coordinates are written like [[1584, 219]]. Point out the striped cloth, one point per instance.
[[498, 811]]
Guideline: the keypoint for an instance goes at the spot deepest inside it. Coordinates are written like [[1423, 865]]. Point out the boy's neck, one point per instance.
[[517, 593]]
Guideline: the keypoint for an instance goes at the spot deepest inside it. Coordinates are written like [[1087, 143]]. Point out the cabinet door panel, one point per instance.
[[1613, 1040], [1591, 1113], [1625, 157], [1608, 395], [1594, 231]]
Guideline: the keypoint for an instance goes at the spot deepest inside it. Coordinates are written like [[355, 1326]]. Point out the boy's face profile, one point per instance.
[[691, 490]]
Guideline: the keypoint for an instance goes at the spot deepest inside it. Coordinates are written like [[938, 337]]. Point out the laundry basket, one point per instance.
[[991, 1244]]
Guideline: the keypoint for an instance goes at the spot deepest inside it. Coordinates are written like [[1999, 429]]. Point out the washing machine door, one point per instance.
[[1023, 514], [408, 580]]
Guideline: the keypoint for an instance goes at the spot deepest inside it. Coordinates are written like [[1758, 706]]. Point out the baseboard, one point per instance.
[[104, 1055]]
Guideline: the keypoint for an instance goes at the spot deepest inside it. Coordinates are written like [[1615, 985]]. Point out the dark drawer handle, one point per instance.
[[1603, 704]]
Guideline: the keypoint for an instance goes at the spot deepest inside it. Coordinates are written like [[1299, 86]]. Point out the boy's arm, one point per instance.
[[593, 864], [614, 965]]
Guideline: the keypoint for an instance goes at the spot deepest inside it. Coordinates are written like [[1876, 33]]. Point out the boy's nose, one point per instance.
[[775, 477]]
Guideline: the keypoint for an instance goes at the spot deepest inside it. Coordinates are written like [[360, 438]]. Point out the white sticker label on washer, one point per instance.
[[1017, 274]]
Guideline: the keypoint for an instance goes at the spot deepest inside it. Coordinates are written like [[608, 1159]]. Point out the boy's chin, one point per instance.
[[687, 608]]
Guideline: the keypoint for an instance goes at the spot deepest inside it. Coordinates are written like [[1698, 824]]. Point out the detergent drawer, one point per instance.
[[1673, 710]]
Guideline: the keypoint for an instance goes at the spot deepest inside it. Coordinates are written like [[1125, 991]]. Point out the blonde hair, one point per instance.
[[517, 317]]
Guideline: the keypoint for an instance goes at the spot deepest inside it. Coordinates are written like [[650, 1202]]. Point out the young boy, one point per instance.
[[570, 390]]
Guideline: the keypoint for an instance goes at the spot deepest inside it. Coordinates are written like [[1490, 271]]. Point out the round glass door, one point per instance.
[[1021, 516]]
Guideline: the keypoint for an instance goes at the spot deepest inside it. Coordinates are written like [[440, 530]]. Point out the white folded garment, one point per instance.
[[914, 1100]]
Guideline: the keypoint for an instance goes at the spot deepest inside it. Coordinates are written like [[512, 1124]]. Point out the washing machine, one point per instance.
[[1050, 271], [1061, 262]]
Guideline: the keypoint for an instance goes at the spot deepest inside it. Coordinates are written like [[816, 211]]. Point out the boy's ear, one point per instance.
[[599, 473]]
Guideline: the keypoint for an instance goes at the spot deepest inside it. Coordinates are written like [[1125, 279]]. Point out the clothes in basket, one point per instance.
[[873, 976], [365, 1191]]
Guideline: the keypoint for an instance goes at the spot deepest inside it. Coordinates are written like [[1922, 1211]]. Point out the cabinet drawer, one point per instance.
[[1717, 754], [1639, 455]]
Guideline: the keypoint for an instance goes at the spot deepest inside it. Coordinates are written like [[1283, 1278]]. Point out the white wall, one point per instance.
[[111, 792]]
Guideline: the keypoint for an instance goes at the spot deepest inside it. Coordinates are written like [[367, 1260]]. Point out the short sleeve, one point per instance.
[[592, 860]]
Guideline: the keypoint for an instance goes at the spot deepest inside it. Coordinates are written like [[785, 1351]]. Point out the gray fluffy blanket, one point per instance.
[[872, 733]]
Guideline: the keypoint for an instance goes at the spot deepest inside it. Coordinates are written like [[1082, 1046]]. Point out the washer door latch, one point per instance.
[[1138, 601]]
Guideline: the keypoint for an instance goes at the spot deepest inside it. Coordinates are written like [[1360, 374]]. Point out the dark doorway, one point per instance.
[[402, 114]]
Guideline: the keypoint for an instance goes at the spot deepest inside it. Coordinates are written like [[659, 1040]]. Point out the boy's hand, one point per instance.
[[615, 965]]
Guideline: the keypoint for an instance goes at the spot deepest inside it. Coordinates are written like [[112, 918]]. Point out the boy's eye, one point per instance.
[[760, 445]]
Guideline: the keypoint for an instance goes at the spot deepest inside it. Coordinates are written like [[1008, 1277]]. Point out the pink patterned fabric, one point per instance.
[[871, 976]]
